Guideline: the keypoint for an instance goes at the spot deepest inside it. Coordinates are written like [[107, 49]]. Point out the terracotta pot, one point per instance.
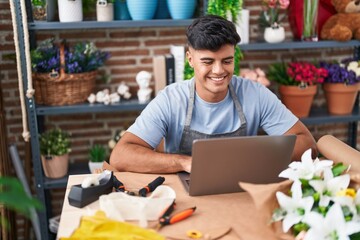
[[340, 98], [298, 100], [55, 166]]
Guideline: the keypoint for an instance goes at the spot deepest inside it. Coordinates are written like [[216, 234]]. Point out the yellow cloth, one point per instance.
[[101, 227]]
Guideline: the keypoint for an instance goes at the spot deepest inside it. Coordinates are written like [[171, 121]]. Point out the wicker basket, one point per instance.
[[63, 89]]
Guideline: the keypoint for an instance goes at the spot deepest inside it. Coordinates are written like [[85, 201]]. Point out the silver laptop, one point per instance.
[[219, 164]]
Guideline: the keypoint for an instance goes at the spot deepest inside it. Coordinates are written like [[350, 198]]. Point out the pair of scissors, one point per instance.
[[167, 219]]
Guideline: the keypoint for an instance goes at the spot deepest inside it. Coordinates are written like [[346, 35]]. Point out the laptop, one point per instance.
[[219, 164]]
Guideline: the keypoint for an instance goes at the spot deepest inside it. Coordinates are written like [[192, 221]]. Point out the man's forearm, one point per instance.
[[134, 158]]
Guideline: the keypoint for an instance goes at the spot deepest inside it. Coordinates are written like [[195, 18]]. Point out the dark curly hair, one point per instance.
[[211, 32]]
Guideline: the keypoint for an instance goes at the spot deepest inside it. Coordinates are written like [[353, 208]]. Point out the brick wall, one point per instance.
[[132, 50]]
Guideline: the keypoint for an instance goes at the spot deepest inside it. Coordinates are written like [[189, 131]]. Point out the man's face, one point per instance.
[[213, 71]]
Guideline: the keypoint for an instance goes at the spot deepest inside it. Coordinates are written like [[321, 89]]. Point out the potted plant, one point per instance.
[[54, 148], [39, 9], [341, 85], [298, 84], [59, 68], [105, 10], [97, 156]]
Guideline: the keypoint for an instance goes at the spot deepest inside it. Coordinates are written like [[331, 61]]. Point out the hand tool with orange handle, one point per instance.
[[166, 219], [151, 186]]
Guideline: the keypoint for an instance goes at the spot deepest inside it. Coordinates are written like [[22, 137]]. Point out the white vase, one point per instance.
[[95, 165], [104, 11], [274, 34], [70, 10]]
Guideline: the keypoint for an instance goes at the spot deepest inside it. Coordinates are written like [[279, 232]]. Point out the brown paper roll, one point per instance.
[[338, 151]]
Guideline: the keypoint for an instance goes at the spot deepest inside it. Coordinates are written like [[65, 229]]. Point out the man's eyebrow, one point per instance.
[[211, 59]]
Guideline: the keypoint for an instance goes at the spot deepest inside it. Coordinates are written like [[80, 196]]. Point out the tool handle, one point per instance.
[[177, 217], [119, 186], [151, 186]]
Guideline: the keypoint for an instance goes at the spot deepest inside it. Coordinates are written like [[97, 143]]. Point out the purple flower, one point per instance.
[[82, 57], [338, 73]]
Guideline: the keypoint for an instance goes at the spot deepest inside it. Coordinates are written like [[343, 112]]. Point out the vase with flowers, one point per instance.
[[341, 86], [64, 74], [310, 15], [298, 84], [271, 18]]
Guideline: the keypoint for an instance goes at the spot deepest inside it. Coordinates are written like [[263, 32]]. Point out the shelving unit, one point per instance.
[[43, 184]]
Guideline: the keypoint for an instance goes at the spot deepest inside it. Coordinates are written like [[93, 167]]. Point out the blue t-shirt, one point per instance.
[[164, 116]]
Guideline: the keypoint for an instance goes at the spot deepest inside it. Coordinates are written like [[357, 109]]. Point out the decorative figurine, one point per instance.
[[143, 80]]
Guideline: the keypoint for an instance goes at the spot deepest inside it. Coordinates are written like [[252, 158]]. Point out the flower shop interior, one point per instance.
[[129, 47]]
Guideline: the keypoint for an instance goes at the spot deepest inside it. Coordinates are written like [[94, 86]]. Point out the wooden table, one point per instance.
[[234, 210]]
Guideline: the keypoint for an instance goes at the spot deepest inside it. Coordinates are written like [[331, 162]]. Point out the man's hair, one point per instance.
[[211, 32]]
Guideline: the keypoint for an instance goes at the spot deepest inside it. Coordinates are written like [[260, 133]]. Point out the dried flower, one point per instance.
[[82, 57]]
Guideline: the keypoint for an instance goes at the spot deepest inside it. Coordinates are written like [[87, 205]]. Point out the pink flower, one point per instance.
[[256, 75]]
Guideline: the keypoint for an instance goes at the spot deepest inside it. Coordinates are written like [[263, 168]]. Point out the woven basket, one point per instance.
[[56, 89]]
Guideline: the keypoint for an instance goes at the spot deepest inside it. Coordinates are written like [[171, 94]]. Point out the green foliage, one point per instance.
[[222, 7], [41, 3], [97, 153], [14, 197], [278, 73], [54, 142], [237, 57], [188, 70]]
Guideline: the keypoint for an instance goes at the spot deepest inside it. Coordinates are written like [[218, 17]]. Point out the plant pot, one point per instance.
[[274, 34], [297, 99], [340, 98], [55, 166], [70, 10], [183, 9], [95, 165], [162, 10], [104, 11], [142, 9], [121, 11]]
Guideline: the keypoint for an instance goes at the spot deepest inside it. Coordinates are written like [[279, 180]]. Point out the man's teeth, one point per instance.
[[217, 79]]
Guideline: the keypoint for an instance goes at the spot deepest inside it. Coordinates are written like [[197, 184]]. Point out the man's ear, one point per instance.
[[190, 59]]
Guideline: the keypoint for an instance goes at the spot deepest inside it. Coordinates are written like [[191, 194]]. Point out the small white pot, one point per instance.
[[70, 10], [104, 11], [274, 34], [95, 165]]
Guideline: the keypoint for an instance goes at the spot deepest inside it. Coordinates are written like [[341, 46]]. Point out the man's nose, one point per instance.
[[218, 68]]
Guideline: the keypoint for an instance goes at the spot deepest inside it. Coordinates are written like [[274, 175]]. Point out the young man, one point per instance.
[[212, 104]]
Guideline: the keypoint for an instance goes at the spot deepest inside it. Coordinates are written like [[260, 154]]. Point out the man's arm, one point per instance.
[[132, 154], [304, 141]]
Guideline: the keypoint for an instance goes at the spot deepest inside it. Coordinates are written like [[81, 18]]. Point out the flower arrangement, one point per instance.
[[310, 20], [347, 72], [321, 204], [82, 57], [256, 75], [271, 16], [296, 73], [54, 142]]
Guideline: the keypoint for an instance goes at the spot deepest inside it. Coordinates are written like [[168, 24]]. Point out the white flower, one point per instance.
[[330, 186], [307, 168], [295, 207], [354, 66], [332, 227], [352, 202]]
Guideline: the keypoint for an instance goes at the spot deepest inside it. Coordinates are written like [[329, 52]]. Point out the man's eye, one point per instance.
[[207, 63], [228, 62]]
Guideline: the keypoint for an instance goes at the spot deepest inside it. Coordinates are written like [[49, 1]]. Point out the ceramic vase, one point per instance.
[[70, 10], [55, 166], [274, 34], [104, 11], [162, 10], [121, 11], [183, 9], [93, 166], [340, 98], [142, 9], [298, 99]]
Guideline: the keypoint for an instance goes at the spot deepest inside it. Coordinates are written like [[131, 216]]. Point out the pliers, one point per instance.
[[166, 219], [119, 187]]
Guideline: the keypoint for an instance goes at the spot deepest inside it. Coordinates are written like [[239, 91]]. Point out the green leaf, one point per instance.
[[338, 169], [355, 236], [14, 197]]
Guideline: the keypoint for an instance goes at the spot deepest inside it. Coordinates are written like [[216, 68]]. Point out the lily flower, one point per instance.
[[331, 227], [330, 186], [307, 168], [295, 207]]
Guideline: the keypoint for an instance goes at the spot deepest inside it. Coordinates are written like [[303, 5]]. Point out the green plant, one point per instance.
[[97, 153], [14, 197], [54, 142], [225, 7], [41, 3]]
